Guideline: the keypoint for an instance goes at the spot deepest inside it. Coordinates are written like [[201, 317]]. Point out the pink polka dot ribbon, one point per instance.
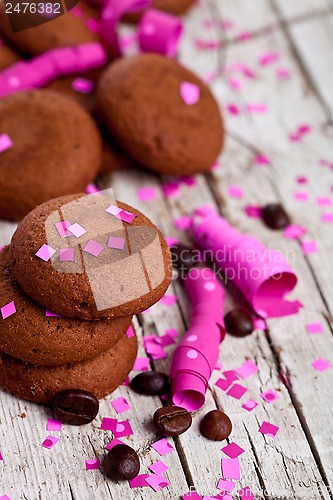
[[195, 357]]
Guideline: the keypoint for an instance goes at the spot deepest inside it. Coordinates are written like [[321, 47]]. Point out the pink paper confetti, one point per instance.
[[5, 142], [183, 222], [230, 468], [237, 391], [130, 332], [323, 201], [157, 482], [327, 217], [314, 328], [163, 447], [94, 248], [309, 247], [253, 211], [76, 230], [294, 231], [246, 493], [321, 364], [190, 93], [236, 84], [235, 191], [116, 243], [8, 310], [61, 227], [268, 429], [109, 424], [247, 369], [191, 495], [233, 450], [92, 189], [230, 377], [261, 159], [269, 396], [45, 252], [120, 405], [158, 467], [66, 255], [93, 25], [283, 73], [113, 443], [147, 193], [171, 190], [141, 364], [83, 86], [302, 180], [123, 429], [256, 108], [259, 324], [118, 213], [49, 442], [301, 196], [53, 425], [171, 241], [233, 109], [4, 497], [139, 481], [168, 300], [1, 457], [93, 464], [188, 180], [51, 314], [226, 485], [172, 332], [249, 405], [268, 58]]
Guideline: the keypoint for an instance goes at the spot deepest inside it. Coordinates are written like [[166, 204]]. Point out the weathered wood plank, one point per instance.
[[290, 10]]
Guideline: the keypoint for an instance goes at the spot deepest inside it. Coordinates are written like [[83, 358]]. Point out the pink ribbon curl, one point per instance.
[[195, 357], [263, 275]]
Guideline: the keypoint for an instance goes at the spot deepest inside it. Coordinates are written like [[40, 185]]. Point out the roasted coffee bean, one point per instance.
[[275, 216], [121, 463], [152, 383], [238, 322], [184, 258], [172, 420], [216, 425], [75, 407]]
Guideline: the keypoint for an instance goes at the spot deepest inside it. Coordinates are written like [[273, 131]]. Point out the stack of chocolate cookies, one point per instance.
[[77, 269]]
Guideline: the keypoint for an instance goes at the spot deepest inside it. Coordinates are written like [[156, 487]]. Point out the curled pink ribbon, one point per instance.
[[195, 357], [53, 64], [263, 275]]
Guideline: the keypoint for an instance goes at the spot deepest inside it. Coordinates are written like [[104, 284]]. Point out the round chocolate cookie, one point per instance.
[[174, 7], [33, 337], [56, 150], [72, 28], [7, 56], [118, 265], [40, 384], [139, 99]]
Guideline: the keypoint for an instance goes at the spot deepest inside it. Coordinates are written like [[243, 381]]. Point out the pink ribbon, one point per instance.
[[263, 275], [195, 357], [53, 64]]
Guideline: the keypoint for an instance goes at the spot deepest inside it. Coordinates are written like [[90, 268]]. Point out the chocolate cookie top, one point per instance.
[[175, 7], [163, 115], [111, 262], [56, 150], [33, 335], [72, 28]]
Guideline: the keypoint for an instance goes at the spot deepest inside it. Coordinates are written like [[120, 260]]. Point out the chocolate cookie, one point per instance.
[[56, 150], [33, 337], [175, 7], [120, 266], [7, 56], [72, 28], [139, 99], [100, 375]]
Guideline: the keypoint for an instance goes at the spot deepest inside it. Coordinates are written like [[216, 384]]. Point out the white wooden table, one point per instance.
[[298, 462]]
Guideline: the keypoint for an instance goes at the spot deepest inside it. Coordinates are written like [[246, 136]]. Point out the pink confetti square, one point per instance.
[[171, 241], [49, 442], [113, 210], [92, 189], [172, 332], [249, 405], [314, 328], [92, 464], [61, 227], [283, 73], [113, 443], [139, 481], [268, 58], [294, 231], [261, 159], [1, 457], [76, 230], [191, 495], [223, 384], [269, 396], [116, 243], [109, 424], [323, 201], [253, 211], [147, 193], [66, 255], [233, 109], [5, 142], [236, 191], [83, 86], [269, 429], [190, 93], [225, 485], [309, 247], [246, 493], [123, 429], [8, 310], [53, 425], [301, 196], [168, 300], [45, 252], [327, 217], [257, 108], [163, 447], [130, 332], [158, 467], [51, 314], [120, 405], [93, 25], [4, 497], [141, 364], [157, 482], [237, 391], [171, 190], [321, 364], [259, 324], [183, 222], [247, 369], [230, 468], [233, 450], [94, 248], [126, 216]]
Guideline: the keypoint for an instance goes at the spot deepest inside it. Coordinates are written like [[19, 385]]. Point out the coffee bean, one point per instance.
[[121, 463], [216, 425], [172, 420], [238, 322], [152, 383], [75, 407], [184, 258], [275, 216]]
